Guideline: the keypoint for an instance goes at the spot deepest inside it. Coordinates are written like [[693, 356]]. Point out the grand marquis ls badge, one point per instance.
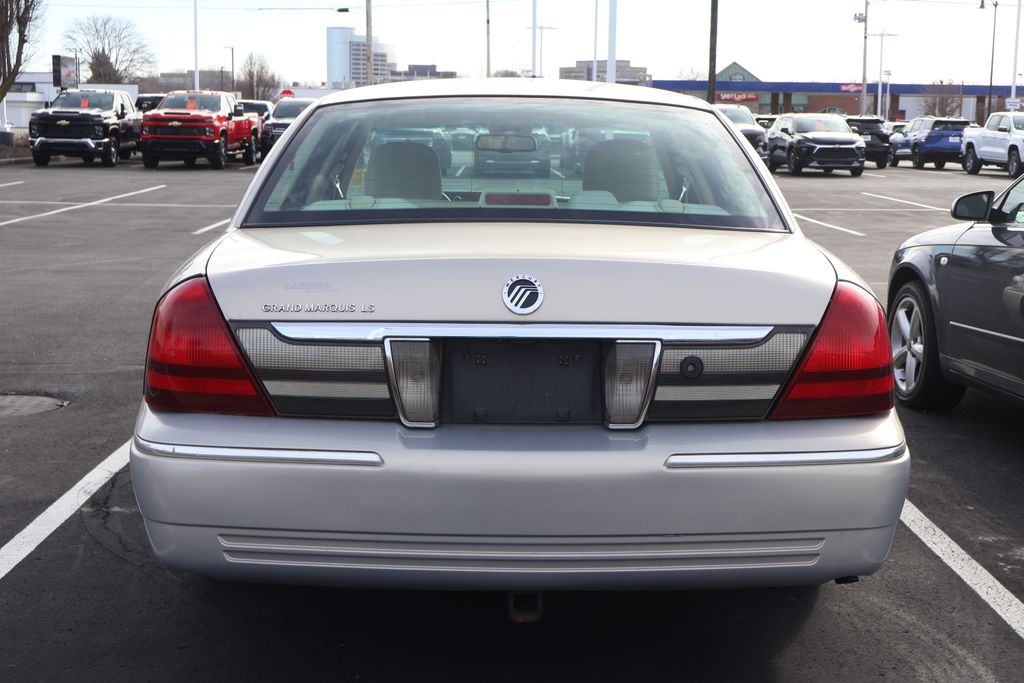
[[522, 294]]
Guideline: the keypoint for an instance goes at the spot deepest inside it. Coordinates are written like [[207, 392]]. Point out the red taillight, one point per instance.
[[193, 363], [847, 368]]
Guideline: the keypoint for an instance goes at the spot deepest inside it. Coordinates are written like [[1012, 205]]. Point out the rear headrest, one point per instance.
[[626, 168], [407, 170]]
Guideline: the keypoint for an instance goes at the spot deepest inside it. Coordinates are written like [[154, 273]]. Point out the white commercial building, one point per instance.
[[346, 59]]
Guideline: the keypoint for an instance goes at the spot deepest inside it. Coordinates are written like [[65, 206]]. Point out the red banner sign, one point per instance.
[[850, 87], [736, 96]]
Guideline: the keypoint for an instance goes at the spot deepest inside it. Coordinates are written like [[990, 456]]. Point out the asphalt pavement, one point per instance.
[[84, 253]]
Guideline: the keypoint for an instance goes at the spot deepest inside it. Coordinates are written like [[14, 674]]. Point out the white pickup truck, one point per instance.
[[999, 143]]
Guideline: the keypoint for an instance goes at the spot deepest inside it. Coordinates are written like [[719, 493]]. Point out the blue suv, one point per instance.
[[928, 139]]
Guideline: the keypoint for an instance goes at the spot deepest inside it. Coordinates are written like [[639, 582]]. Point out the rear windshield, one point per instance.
[[255, 107], [289, 109], [740, 115], [84, 100], [211, 102], [824, 124], [393, 161], [949, 125], [872, 124]]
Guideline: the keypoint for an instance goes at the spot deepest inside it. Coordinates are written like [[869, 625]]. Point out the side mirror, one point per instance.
[[786, 130], [975, 206], [123, 111], [1003, 129], [239, 110]]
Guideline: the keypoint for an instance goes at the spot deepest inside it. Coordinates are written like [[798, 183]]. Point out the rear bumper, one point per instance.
[[469, 507], [68, 146]]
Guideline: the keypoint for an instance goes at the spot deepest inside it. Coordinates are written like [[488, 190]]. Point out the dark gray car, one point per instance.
[[956, 304]]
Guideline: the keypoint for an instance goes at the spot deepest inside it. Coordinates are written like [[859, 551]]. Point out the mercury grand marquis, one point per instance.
[[638, 376]]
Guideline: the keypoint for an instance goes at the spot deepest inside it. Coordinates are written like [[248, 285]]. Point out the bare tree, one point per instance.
[[942, 99], [18, 20], [506, 73], [692, 74], [103, 39], [256, 80]]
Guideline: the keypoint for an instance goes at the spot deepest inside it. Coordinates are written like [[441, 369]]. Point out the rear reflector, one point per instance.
[[847, 368], [193, 363], [415, 369], [628, 373]]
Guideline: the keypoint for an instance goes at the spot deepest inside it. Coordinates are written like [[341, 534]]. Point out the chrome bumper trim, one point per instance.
[[775, 459], [267, 455], [362, 331], [87, 143]]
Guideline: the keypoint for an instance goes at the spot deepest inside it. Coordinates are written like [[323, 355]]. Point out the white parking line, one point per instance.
[[1005, 603], [459, 172], [829, 225], [16, 182], [875, 175], [80, 206], [557, 172], [903, 201], [200, 231], [19, 547]]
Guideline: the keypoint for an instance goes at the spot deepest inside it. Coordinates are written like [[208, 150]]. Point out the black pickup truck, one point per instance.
[[86, 124]]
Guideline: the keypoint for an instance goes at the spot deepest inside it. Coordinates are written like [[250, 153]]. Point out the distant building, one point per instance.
[[347, 59], [419, 72], [624, 73]]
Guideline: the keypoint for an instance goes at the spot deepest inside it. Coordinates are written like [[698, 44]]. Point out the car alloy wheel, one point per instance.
[[971, 163], [794, 166], [919, 381], [219, 159], [1013, 168], [916, 158], [893, 161], [108, 155]]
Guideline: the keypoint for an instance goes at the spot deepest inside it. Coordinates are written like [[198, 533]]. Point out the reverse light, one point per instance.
[[193, 364], [628, 372], [414, 366], [847, 367]]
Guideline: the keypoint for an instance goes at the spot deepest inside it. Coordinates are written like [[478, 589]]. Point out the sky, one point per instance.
[[785, 40]]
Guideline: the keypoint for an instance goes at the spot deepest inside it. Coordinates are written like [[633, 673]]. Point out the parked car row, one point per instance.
[[178, 126]]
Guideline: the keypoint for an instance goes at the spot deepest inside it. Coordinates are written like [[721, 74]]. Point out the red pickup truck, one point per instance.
[[188, 125]]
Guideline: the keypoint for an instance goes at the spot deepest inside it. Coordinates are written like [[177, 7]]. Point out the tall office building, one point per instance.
[[346, 59]]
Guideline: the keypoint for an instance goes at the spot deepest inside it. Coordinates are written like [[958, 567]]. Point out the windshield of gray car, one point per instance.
[[531, 159], [84, 100], [289, 109], [821, 124], [740, 115]]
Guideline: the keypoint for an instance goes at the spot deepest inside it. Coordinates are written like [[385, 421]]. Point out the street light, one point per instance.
[[992, 60], [863, 19], [229, 47], [888, 97], [881, 48]]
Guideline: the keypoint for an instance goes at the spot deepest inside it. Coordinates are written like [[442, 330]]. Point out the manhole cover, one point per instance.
[[27, 405]]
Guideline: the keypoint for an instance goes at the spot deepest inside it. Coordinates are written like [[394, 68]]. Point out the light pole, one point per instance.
[[1016, 44], [488, 38], [369, 43], [228, 47], [888, 97], [992, 59], [195, 35], [613, 8], [541, 57], [881, 49], [863, 19], [593, 67]]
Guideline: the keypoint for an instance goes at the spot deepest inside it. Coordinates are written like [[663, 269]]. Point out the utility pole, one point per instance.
[[713, 53], [1016, 44], [228, 47], [195, 35], [612, 20], [533, 43], [541, 58], [992, 61], [488, 38], [593, 67], [863, 19], [369, 43]]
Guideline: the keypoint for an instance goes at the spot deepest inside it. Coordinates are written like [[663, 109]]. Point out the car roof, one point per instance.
[[512, 87], [89, 90]]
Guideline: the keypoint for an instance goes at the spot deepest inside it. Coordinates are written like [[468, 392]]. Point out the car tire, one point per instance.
[[1013, 167], [939, 165], [772, 164], [40, 159], [88, 159], [919, 381], [190, 162], [916, 158], [856, 172], [249, 153], [827, 171], [893, 161], [124, 153], [219, 159], [971, 162], [108, 155], [150, 161], [882, 163], [794, 166]]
